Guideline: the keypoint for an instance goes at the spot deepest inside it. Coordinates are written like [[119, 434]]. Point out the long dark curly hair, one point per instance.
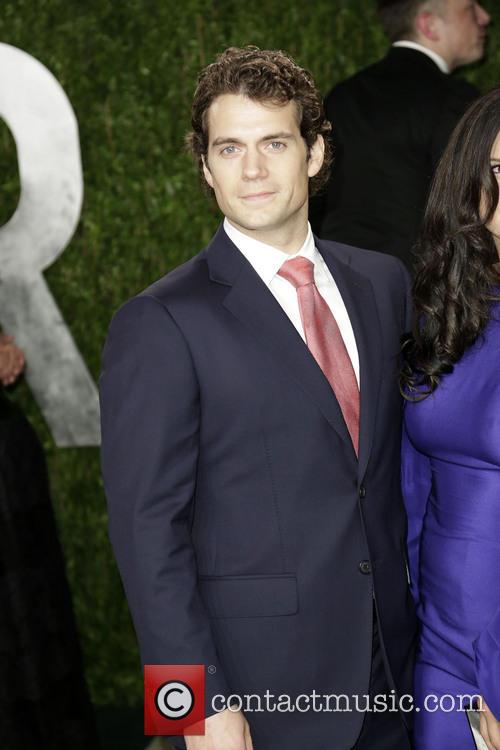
[[456, 255]]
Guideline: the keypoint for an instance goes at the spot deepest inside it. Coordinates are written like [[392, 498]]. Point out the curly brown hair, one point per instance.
[[261, 75]]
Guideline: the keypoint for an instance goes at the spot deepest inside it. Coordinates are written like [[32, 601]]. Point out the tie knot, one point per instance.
[[298, 271]]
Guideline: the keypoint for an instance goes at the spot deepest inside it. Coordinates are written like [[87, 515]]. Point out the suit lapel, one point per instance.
[[358, 296], [249, 300]]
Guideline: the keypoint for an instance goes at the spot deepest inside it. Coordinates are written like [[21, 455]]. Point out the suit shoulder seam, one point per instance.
[[160, 303]]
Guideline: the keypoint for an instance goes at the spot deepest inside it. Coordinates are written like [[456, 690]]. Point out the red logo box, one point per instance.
[[174, 699]]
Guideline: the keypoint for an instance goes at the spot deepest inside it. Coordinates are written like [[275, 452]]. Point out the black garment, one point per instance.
[[43, 699], [224, 452], [391, 123], [384, 730]]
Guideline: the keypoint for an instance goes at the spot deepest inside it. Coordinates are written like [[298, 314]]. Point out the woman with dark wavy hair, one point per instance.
[[451, 443]]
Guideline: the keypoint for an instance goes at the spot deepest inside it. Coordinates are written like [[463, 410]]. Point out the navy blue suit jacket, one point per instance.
[[239, 514]]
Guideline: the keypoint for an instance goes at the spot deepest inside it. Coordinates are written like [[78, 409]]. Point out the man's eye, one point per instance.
[[496, 169], [229, 150], [276, 146]]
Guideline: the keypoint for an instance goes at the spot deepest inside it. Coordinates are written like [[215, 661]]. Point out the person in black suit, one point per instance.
[[251, 439], [392, 121]]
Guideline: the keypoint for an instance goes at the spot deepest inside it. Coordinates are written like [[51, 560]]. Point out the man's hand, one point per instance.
[[489, 726], [227, 730], [11, 360]]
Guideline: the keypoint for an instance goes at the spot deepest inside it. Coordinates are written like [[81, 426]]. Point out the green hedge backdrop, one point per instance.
[[129, 69]]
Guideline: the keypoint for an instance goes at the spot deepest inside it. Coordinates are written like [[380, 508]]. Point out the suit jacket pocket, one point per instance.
[[249, 596]]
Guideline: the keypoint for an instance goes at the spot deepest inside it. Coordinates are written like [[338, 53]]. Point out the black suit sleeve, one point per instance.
[[408, 298], [150, 443]]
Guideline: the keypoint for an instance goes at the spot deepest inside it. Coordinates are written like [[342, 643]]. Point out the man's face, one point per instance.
[[463, 28], [258, 167]]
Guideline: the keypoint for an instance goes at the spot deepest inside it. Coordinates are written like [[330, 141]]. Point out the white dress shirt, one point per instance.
[[267, 260], [440, 62]]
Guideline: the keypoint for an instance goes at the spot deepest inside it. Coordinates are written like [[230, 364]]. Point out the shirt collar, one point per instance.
[[440, 62], [266, 259]]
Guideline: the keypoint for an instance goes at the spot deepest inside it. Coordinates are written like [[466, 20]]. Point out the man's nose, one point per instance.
[[254, 165], [482, 15]]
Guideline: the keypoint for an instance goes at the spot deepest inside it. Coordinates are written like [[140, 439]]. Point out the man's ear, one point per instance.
[[316, 156], [207, 173], [427, 25]]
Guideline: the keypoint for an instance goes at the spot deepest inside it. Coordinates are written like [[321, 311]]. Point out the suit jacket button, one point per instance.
[[362, 492], [365, 567]]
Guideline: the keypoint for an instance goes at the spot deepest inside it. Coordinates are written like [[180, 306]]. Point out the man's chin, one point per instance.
[[474, 57]]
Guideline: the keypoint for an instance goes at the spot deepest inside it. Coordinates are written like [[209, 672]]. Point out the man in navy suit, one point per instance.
[[251, 437]]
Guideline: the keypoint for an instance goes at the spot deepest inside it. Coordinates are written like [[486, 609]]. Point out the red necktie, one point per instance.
[[325, 341]]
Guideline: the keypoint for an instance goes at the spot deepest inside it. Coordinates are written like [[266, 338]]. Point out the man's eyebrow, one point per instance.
[[282, 135], [225, 139]]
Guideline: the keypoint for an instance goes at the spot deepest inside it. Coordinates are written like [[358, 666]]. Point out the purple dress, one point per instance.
[[451, 486]]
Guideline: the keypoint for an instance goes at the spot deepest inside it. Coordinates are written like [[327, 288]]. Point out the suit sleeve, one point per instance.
[[150, 444], [416, 487], [407, 318]]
